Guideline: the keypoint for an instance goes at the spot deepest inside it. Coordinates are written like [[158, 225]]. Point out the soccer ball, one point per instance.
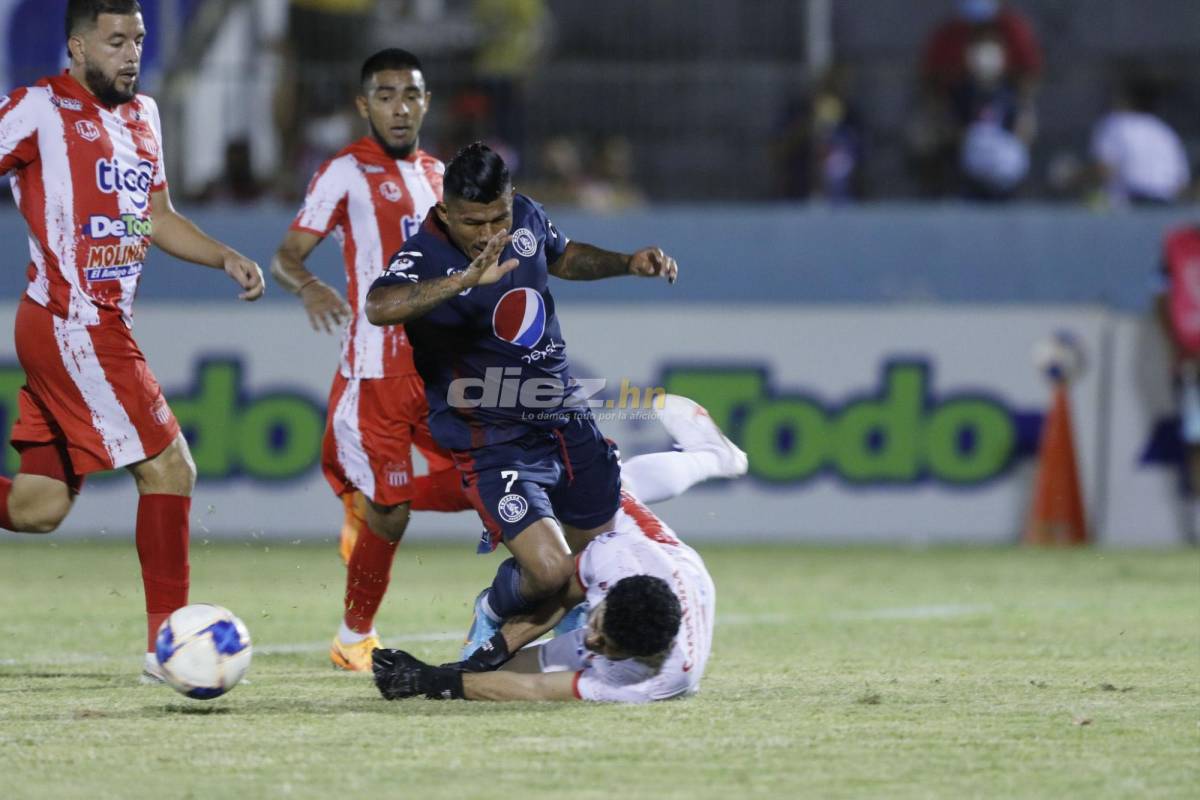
[[1059, 357], [204, 650]]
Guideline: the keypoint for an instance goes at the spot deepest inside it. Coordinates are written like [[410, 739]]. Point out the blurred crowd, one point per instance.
[[264, 91], [972, 127]]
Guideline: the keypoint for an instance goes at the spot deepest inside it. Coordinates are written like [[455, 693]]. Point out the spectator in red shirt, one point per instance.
[[944, 62], [975, 121]]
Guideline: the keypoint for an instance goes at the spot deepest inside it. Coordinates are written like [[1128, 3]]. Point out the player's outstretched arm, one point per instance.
[[406, 300], [515, 686], [585, 262], [326, 309], [179, 236]]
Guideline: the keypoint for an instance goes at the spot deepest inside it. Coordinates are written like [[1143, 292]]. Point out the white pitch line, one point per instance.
[[770, 618], [316, 647]]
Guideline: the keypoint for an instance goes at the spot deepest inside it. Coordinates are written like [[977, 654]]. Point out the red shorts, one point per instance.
[[89, 390], [373, 425]]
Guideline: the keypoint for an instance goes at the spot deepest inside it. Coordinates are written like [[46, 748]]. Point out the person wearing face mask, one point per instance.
[[996, 127], [981, 65]]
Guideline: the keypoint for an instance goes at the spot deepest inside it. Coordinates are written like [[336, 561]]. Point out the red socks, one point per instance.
[[162, 547], [5, 488], [367, 575], [440, 491]]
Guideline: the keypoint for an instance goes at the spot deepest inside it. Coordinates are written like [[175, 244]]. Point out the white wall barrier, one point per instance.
[[862, 423]]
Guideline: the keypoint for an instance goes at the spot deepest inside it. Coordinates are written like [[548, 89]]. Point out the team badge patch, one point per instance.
[[513, 508], [160, 412], [520, 317], [524, 242], [390, 191], [87, 129]]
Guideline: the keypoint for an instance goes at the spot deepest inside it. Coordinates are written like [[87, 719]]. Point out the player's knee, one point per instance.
[[183, 468], [38, 504], [45, 517], [389, 522], [170, 472], [547, 574]]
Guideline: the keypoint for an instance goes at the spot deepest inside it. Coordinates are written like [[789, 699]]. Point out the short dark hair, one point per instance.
[[391, 58], [81, 13], [641, 615], [477, 173]]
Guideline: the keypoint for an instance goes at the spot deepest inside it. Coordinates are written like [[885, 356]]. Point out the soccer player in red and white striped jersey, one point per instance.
[[84, 151], [371, 197]]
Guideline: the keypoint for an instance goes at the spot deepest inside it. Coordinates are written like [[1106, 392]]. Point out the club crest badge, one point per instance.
[[87, 130], [524, 242], [390, 191], [513, 508]]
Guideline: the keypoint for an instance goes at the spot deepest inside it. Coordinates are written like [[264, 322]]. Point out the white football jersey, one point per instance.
[[641, 544]]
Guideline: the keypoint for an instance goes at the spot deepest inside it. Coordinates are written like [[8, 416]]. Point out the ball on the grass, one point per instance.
[[204, 650]]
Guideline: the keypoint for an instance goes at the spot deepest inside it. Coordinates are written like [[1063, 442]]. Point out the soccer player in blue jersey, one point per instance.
[[471, 290]]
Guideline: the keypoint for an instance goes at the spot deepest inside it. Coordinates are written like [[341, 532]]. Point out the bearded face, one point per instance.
[[107, 57]]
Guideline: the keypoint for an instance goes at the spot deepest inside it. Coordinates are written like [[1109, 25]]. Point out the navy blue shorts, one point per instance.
[[571, 474]]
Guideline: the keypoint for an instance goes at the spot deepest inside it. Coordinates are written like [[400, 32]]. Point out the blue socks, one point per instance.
[[504, 599]]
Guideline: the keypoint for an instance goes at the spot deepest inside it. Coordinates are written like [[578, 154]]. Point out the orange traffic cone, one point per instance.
[[1056, 516]]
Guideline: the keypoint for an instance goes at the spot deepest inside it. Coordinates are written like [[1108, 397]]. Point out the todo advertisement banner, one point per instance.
[[861, 423]]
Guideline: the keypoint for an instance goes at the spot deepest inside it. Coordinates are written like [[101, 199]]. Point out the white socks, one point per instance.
[[347, 636], [655, 477]]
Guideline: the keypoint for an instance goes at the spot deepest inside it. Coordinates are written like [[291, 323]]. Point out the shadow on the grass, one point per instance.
[[172, 708]]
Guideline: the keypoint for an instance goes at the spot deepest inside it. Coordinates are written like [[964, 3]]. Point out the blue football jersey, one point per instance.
[[493, 358]]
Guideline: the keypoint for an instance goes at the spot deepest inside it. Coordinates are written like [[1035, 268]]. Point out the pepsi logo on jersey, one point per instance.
[[87, 130], [113, 178], [520, 317]]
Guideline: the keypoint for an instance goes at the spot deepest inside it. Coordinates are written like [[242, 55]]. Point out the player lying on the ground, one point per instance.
[[471, 290], [372, 195], [647, 637], [84, 149]]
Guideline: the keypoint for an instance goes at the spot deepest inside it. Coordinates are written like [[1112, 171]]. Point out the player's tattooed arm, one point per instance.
[[396, 304], [399, 303], [585, 262]]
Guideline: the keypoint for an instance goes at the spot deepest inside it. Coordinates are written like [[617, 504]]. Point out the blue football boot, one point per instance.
[[573, 620], [483, 628]]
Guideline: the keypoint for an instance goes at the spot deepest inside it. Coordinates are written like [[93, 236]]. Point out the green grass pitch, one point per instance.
[[837, 672]]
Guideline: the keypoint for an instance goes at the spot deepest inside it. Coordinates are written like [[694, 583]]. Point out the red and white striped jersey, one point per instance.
[[371, 203], [639, 544], [82, 175]]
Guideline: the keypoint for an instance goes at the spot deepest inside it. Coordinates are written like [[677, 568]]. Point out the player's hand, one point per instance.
[[326, 309], [486, 268], [652, 262], [399, 675], [246, 273], [488, 657]]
